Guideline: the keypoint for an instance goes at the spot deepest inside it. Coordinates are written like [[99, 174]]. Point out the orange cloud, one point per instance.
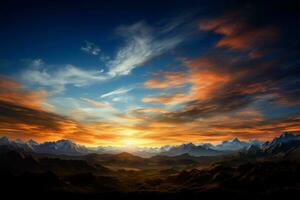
[[240, 35], [170, 79], [247, 124], [13, 92], [25, 114], [166, 98], [27, 123], [249, 39], [151, 110], [203, 76]]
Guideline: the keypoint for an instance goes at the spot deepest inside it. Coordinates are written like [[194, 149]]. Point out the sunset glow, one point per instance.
[[179, 75]]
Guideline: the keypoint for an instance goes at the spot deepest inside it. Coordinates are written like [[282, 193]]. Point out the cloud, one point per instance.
[[90, 48], [238, 34], [222, 83], [84, 110], [27, 114], [36, 62], [219, 85], [167, 80], [150, 110], [174, 98], [142, 43], [12, 91], [226, 88], [116, 92], [203, 76], [223, 80], [20, 122], [57, 79], [248, 123], [24, 121], [94, 103]]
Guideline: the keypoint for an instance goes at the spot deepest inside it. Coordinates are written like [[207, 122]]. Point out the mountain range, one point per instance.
[[67, 147], [233, 168]]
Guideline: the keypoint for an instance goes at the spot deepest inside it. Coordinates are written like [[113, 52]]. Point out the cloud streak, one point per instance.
[[57, 79], [95, 103], [116, 92], [142, 43]]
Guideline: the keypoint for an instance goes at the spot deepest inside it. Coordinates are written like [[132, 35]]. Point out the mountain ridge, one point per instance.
[[67, 147]]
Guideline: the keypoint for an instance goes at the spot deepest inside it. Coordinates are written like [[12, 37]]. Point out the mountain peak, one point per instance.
[[235, 140], [64, 141], [4, 140], [18, 141], [32, 142], [188, 144], [285, 137]]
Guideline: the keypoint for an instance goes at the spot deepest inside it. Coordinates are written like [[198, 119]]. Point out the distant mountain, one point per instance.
[[4, 141], [207, 149], [32, 143], [66, 147], [284, 143], [286, 137], [192, 150], [16, 144], [61, 147], [235, 145], [252, 151]]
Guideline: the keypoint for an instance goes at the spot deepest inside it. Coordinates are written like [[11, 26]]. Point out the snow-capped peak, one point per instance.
[[4, 140]]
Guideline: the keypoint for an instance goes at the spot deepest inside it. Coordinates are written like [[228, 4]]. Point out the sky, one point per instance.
[[147, 73]]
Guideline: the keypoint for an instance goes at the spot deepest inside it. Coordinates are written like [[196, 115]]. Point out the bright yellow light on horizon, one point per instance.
[[129, 132], [129, 142]]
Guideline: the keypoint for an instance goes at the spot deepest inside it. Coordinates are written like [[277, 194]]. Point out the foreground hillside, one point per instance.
[[268, 171], [77, 179]]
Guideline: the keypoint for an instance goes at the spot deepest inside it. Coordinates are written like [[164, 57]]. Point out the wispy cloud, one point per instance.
[[90, 48], [142, 43], [119, 91], [84, 109], [59, 78], [94, 102], [167, 99], [169, 79]]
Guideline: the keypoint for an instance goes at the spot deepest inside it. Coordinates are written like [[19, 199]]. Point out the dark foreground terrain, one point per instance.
[[160, 177], [268, 171]]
